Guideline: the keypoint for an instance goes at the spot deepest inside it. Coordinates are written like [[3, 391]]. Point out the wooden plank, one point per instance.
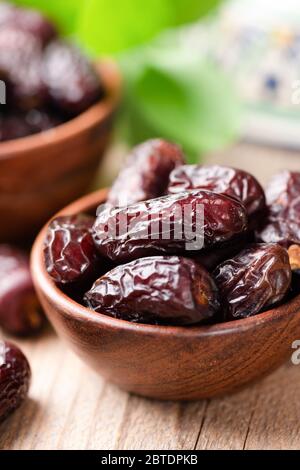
[[70, 407], [151, 425], [276, 417]]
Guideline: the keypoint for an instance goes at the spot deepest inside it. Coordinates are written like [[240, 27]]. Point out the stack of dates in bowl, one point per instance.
[[48, 80], [175, 244], [184, 279]]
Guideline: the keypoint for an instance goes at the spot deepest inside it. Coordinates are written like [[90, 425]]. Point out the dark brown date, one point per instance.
[[146, 173], [20, 68], [70, 254], [20, 311], [222, 180], [283, 198], [30, 21], [158, 290], [168, 225], [70, 78], [13, 126], [257, 278], [17, 125], [15, 378], [283, 193], [286, 232]]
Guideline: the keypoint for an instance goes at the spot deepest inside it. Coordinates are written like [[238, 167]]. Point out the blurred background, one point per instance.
[[221, 78], [206, 74]]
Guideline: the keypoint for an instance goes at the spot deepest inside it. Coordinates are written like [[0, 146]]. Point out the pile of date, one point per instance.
[[247, 263], [47, 80]]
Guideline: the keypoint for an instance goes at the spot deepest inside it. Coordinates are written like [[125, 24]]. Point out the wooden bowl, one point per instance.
[[42, 173], [167, 362]]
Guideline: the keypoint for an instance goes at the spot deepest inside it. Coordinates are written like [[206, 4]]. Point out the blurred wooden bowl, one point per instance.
[[42, 173], [167, 362]]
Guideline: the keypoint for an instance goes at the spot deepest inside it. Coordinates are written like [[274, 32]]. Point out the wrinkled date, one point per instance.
[[17, 125], [13, 126], [221, 180], [27, 20], [146, 173], [283, 193], [70, 254], [158, 290], [20, 67], [283, 198], [257, 278], [20, 312], [71, 80], [15, 378], [168, 225]]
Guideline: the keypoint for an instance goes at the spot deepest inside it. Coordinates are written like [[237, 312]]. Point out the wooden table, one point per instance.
[[72, 408]]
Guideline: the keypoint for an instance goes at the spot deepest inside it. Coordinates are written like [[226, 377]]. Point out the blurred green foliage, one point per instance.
[[169, 91], [65, 13], [112, 26], [178, 95]]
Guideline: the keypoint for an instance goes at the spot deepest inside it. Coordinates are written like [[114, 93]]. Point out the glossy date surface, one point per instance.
[[15, 378], [20, 311], [69, 251], [30, 21], [80, 86], [146, 172], [283, 222], [20, 68], [222, 180], [168, 225], [157, 290], [252, 281]]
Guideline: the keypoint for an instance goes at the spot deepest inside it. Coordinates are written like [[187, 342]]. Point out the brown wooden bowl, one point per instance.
[[167, 362], [42, 173]]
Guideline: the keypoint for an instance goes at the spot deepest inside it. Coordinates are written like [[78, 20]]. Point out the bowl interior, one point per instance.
[[88, 204], [112, 83]]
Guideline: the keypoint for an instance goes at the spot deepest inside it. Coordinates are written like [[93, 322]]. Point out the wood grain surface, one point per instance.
[[70, 407]]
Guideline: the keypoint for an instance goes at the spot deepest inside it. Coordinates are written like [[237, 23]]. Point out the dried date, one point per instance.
[[30, 21], [146, 173], [20, 311], [169, 225], [69, 251], [221, 180], [71, 80], [283, 198], [20, 68], [15, 378], [158, 290], [252, 281]]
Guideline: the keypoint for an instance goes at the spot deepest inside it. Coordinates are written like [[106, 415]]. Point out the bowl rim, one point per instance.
[[72, 309], [109, 72]]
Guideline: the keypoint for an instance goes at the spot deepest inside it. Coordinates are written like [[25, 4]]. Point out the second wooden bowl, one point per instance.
[[168, 363], [42, 173]]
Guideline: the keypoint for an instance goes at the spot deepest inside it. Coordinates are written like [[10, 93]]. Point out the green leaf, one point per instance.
[[190, 10], [109, 27], [182, 98], [64, 12], [115, 25]]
